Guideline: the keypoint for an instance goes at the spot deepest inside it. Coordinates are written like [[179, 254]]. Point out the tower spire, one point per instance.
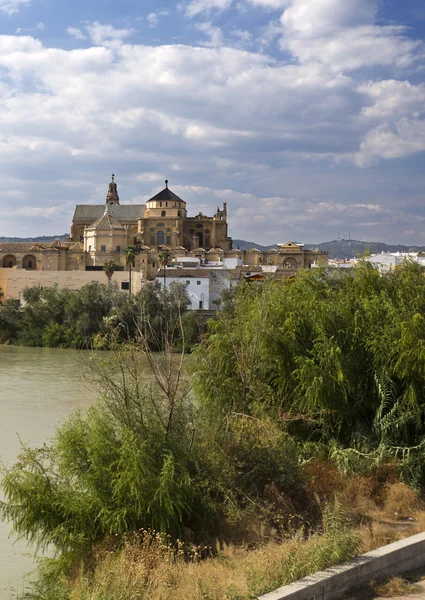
[[112, 195]]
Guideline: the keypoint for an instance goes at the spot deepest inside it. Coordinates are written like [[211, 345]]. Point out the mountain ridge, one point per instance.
[[343, 249]]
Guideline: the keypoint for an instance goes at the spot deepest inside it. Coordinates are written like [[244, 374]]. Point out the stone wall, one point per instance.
[[16, 280]]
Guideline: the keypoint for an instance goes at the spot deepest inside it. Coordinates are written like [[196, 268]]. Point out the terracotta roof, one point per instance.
[[19, 247]]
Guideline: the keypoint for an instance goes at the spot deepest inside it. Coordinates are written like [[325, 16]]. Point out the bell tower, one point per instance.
[[112, 195]]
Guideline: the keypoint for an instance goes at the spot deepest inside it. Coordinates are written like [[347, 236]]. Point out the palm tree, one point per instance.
[[109, 268], [130, 261], [164, 259]]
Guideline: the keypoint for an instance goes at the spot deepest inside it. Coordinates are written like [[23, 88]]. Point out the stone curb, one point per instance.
[[332, 584]]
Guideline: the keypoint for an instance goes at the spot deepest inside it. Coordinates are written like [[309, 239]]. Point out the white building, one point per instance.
[[386, 261], [204, 282]]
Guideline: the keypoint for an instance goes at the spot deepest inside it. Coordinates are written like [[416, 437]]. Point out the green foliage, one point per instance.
[[339, 358], [99, 316], [109, 268], [125, 465]]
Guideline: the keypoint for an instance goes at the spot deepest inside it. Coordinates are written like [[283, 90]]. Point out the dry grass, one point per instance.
[[148, 568], [401, 501], [396, 586]]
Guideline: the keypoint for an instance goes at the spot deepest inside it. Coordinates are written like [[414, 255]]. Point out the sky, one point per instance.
[[306, 116]]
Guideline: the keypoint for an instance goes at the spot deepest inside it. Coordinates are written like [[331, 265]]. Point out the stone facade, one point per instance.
[[100, 233]]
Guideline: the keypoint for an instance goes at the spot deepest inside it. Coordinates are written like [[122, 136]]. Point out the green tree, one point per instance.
[[164, 259], [130, 261], [109, 268]]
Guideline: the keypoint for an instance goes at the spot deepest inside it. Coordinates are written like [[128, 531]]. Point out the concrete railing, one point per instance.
[[395, 559]]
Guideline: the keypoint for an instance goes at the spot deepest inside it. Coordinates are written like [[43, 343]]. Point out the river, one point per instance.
[[39, 387]]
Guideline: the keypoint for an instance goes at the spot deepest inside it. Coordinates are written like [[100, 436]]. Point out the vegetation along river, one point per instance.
[[39, 387]]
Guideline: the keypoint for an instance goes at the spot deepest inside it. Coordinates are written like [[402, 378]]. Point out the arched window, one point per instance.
[[29, 262], [290, 263], [9, 261], [163, 213], [160, 237], [179, 213]]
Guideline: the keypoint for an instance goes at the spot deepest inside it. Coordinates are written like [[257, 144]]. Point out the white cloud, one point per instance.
[[12, 6], [270, 4], [197, 7], [315, 18], [76, 33], [154, 18], [223, 112], [214, 33], [387, 141], [107, 34]]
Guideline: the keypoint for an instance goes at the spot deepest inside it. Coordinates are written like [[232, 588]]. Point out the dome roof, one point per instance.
[[166, 195]]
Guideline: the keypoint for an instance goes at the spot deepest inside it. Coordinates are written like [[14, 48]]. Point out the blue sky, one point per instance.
[[306, 116]]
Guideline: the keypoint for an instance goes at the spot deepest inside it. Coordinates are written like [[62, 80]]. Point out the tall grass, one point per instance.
[[149, 568]]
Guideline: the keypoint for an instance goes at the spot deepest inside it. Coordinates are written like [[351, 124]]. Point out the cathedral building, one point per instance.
[[162, 221], [101, 232]]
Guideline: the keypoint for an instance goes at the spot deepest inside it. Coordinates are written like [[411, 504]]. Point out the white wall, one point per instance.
[[232, 263], [198, 292]]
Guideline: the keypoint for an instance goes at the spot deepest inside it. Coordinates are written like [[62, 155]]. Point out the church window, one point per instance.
[[152, 229], [160, 204], [199, 226], [207, 231], [103, 248], [163, 214], [160, 225], [168, 241], [166, 204], [152, 240], [179, 214], [118, 249], [160, 237], [168, 229]]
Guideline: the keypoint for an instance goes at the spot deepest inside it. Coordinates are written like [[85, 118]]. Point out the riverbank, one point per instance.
[[148, 567]]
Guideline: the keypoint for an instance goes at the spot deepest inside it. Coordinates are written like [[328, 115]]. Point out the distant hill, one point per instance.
[[340, 248], [42, 238]]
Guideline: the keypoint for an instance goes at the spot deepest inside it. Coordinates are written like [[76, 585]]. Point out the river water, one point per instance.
[[39, 387]]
